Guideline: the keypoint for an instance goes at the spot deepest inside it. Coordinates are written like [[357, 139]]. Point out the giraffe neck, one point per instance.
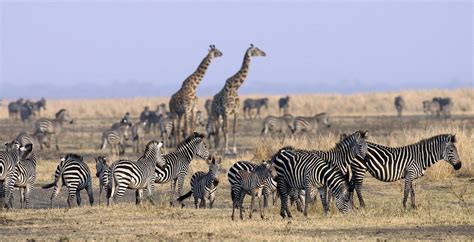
[[236, 80], [194, 79]]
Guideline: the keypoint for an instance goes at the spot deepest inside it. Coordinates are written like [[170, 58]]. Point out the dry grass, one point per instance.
[[380, 103]]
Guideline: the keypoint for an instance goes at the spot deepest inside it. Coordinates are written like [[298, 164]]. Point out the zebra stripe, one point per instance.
[[116, 139], [204, 185], [53, 127], [74, 174], [310, 124], [139, 175], [250, 104], [407, 162], [8, 162], [36, 139], [102, 172], [253, 183], [277, 124], [300, 169], [177, 163], [25, 176]]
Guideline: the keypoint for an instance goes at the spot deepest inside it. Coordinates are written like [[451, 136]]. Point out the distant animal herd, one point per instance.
[[292, 175]]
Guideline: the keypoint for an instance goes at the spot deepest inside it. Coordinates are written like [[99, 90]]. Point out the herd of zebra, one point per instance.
[[290, 174], [437, 106]]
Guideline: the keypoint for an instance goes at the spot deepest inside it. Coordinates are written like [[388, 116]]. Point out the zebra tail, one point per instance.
[[187, 195], [104, 143], [110, 182]]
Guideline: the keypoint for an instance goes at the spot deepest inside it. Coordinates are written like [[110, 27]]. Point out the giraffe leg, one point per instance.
[[225, 132], [234, 133], [217, 129]]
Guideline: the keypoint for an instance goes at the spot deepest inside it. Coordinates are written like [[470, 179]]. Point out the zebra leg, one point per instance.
[[55, 193], [2, 194], [101, 187], [241, 203], [172, 192], [323, 194], [138, 196], [212, 198], [408, 187], [70, 197], [412, 196], [78, 198], [196, 201], [235, 193], [358, 179], [252, 202], [283, 190], [90, 194], [151, 190], [307, 200]]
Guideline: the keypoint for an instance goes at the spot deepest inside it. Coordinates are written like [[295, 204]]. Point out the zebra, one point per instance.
[[277, 124], [235, 180], [37, 139], [25, 176], [73, 173], [254, 183], [144, 114], [8, 162], [54, 127], [284, 105], [38, 105], [409, 162], [204, 185], [124, 121], [310, 124], [166, 131], [138, 135], [445, 105], [177, 162], [399, 105], [27, 112], [116, 139], [102, 172], [250, 104], [14, 108], [302, 169], [430, 107], [139, 175], [208, 106]]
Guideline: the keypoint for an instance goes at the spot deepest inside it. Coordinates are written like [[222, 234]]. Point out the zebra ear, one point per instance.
[[364, 134], [29, 147], [452, 138], [343, 136]]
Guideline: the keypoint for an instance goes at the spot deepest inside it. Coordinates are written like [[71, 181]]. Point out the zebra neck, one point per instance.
[[429, 153]]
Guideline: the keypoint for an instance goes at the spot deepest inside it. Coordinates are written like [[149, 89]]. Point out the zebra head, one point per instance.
[[63, 116], [214, 163], [153, 152], [255, 51], [195, 145], [269, 170], [13, 146], [214, 52], [25, 151], [100, 165], [357, 143], [450, 152]]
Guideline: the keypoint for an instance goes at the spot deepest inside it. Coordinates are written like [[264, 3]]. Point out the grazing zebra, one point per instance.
[[53, 127], [14, 108], [430, 107], [284, 105], [73, 173], [116, 139], [310, 124], [138, 135], [445, 105], [177, 162], [301, 169], [250, 104], [277, 124], [253, 182], [399, 105], [208, 106], [235, 180], [407, 162], [102, 172], [25, 176], [204, 185], [139, 175], [36, 139], [8, 161]]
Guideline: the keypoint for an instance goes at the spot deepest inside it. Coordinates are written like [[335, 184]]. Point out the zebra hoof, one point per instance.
[[182, 205]]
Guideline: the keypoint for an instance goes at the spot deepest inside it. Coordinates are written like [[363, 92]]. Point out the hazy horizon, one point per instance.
[[99, 49]]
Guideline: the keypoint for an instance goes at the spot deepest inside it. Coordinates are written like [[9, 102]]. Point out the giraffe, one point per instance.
[[182, 103], [226, 102]]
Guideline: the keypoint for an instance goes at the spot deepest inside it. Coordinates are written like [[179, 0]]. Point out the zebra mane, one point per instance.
[[60, 112], [189, 139], [72, 156], [446, 137]]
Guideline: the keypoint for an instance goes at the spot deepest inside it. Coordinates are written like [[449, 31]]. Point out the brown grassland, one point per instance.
[[445, 197]]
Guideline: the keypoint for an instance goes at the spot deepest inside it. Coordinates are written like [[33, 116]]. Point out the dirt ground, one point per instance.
[[445, 206]]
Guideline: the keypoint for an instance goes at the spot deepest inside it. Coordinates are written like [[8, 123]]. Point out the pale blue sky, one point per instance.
[[328, 46]]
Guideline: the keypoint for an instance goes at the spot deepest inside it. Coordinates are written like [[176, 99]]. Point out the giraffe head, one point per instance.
[[214, 52], [255, 51]]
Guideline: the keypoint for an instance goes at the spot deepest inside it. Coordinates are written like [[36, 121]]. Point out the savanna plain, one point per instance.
[[445, 197]]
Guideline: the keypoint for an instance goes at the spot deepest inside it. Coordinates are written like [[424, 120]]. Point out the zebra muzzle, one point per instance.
[[457, 166]]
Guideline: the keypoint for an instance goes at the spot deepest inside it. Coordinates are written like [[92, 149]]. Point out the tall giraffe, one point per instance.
[[226, 102], [182, 103]]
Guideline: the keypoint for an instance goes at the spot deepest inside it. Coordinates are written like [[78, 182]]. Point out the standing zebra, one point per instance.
[[301, 169], [445, 105], [102, 172], [138, 135], [116, 139], [14, 108], [8, 161], [73, 173], [399, 105], [208, 106], [36, 139], [166, 131], [254, 183], [284, 105], [407, 162], [139, 175], [430, 107], [25, 176], [250, 104], [277, 124], [204, 185], [310, 124], [27, 112], [53, 127], [177, 162]]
